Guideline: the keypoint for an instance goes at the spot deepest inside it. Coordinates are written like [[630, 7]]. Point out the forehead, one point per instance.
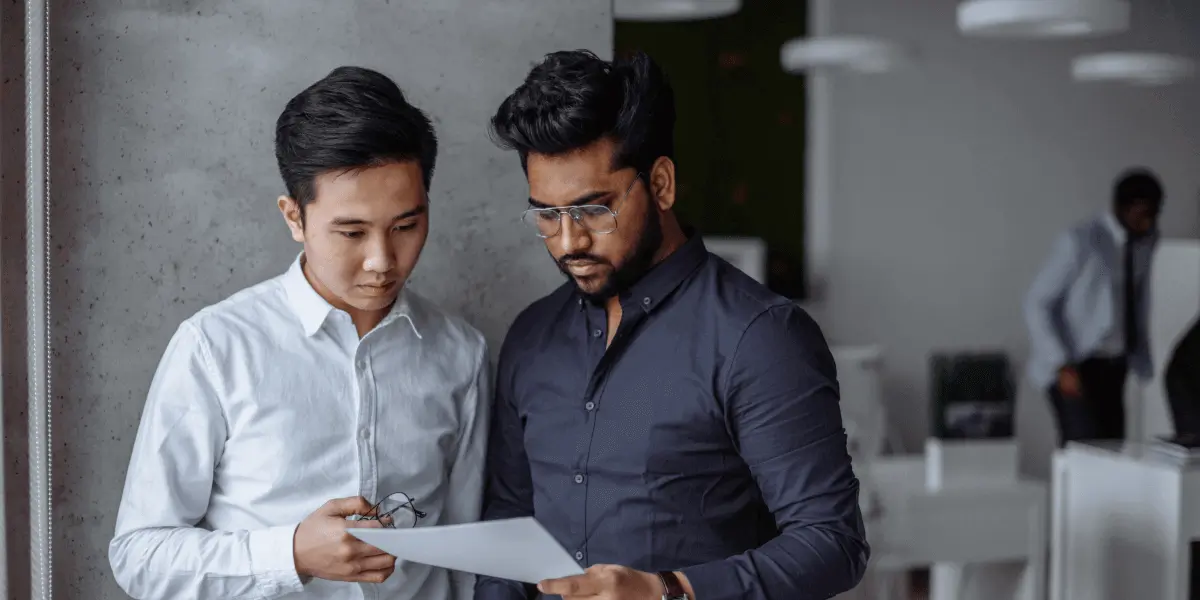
[[393, 187], [561, 179]]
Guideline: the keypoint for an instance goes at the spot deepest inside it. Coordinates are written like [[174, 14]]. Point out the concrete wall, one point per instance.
[[948, 180], [165, 183], [13, 391]]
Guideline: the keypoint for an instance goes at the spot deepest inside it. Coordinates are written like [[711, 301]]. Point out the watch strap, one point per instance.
[[672, 588]]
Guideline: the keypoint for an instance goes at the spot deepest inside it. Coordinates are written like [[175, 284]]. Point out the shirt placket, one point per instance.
[[368, 481], [600, 355], [596, 336], [367, 397]]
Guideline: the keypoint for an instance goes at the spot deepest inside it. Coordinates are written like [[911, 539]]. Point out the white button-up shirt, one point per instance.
[[268, 404]]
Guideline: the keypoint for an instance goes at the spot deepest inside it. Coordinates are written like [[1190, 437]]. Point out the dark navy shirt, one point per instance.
[[707, 438]]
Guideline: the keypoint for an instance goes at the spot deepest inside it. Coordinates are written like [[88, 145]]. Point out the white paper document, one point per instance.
[[517, 549]]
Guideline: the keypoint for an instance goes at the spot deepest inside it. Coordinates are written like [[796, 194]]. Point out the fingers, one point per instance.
[[378, 562], [344, 507], [356, 561], [364, 524], [375, 576], [369, 569], [575, 585], [356, 548]]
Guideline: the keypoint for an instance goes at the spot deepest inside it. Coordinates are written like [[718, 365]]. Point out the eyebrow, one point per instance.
[[589, 198], [344, 221]]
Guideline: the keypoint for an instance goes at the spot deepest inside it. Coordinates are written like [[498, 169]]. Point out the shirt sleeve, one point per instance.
[[509, 491], [465, 491], [1043, 301], [157, 552], [781, 401]]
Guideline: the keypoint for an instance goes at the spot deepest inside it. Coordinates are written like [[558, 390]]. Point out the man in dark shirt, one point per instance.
[[1182, 381], [670, 421]]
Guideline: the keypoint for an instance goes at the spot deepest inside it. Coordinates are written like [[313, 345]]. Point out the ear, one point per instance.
[[292, 216], [662, 183]]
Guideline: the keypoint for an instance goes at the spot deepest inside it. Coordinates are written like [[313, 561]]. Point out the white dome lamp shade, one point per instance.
[[1133, 68], [1047, 19], [673, 10], [848, 53]]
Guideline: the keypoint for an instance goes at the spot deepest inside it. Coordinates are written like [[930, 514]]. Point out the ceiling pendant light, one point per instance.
[[673, 10], [1042, 18], [1132, 68], [843, 52]]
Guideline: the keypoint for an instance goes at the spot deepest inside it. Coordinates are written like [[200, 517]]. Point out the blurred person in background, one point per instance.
[[277, 413], [1182, 381], [1088, 308], [669, 420]]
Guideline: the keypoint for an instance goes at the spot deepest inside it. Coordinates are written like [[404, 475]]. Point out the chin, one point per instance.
[[373, 303], [595, 289], [590, 285]]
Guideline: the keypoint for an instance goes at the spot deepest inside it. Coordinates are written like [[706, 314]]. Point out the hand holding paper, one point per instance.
[[515, 549], [604, 581]]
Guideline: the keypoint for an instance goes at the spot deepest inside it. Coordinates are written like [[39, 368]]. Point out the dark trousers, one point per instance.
[[1099, 412]]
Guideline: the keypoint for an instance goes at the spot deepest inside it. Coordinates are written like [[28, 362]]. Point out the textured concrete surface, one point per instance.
[[165, 187], [12, 299]]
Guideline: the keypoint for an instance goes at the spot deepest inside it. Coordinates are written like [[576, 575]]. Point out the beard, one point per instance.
[[634, 265]]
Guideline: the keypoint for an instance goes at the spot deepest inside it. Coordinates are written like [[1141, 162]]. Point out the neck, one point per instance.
[[364, 320], [673, 238]]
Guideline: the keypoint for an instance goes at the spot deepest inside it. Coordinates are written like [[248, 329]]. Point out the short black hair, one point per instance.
[[353, 118], [573, 99], [1137, 185]]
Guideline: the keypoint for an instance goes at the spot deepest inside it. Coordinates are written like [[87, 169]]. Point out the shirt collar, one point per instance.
[[663, 278], [313, 310]]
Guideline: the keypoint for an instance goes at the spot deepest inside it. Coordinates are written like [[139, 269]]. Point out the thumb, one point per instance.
[[344, 507]]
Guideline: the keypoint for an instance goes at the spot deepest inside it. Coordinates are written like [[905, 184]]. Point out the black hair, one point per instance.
[[1137, 185], [353, 118], [573, 99]]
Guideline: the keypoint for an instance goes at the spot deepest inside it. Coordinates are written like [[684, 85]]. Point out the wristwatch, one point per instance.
[[672, 589]]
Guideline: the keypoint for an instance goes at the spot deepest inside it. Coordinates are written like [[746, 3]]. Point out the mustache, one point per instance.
[[579, 257]]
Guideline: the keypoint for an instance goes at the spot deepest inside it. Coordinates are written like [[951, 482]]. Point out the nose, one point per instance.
[[572, 236], [379, 257]]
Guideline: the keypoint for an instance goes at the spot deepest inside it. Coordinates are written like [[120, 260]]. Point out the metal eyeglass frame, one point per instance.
[[385, 518], [576, 212]]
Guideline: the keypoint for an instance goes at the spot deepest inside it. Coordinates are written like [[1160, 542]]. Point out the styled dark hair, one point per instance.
[[1137, 185], [352, 119], [573, 99]]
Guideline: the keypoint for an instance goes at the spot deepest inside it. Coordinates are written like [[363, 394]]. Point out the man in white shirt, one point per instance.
[[1088, 309], [281, 413]]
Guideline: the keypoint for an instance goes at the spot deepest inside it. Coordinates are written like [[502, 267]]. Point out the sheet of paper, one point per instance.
[[517, 549]]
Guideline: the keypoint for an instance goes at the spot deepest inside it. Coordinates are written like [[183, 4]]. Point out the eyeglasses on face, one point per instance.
[[596, 218]]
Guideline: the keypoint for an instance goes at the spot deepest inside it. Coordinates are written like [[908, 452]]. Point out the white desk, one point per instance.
[[962, 532], [1123, 521]]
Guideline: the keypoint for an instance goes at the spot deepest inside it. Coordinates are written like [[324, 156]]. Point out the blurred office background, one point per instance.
[[903, 182]]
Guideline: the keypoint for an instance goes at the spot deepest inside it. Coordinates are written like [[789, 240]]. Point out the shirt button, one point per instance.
[[590, 405], [597, 333], [362, 365], [578, 478], [579, 555], [364, 434], [646, 300]]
